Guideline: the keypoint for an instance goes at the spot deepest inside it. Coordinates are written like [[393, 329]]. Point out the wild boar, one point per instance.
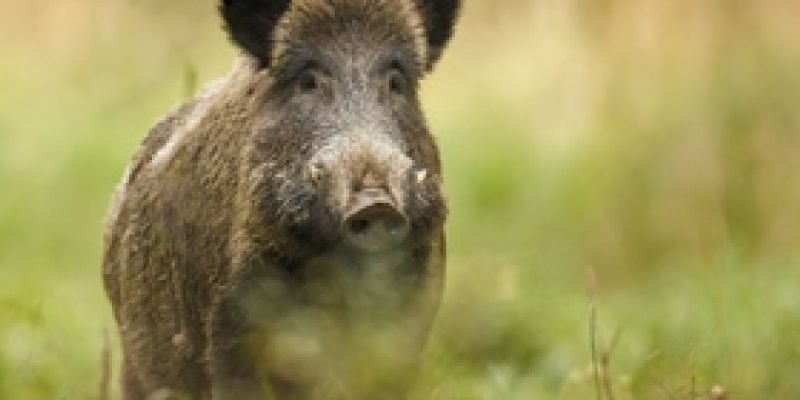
[[281, 234]]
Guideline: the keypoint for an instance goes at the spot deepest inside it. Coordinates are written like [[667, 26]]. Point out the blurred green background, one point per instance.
[[654, 142]]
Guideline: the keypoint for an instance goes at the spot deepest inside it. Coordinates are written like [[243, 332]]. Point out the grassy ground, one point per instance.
[[653, 142]]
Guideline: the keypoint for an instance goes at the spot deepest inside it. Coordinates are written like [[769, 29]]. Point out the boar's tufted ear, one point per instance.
[[250, 24], [439, 17]]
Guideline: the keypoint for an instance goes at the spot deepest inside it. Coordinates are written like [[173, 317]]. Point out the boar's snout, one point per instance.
[[374, 223], [365, 182]]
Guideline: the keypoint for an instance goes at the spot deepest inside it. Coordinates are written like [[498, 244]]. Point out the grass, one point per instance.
[[653, 142]]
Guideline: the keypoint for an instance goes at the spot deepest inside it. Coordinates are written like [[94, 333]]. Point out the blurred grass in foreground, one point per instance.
[[655, 141]]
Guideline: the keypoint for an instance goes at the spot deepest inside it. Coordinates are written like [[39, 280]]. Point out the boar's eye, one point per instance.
[[307, 81], [397, 81], [400, 75]]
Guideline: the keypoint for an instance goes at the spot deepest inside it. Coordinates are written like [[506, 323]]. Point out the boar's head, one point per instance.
[[339, 140]]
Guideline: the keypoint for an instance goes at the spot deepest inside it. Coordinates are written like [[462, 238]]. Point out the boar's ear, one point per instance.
[[439, 17], [250, 24]]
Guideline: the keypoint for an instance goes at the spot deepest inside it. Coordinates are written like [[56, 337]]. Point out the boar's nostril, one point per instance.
[[359, 226], [375, 226]]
